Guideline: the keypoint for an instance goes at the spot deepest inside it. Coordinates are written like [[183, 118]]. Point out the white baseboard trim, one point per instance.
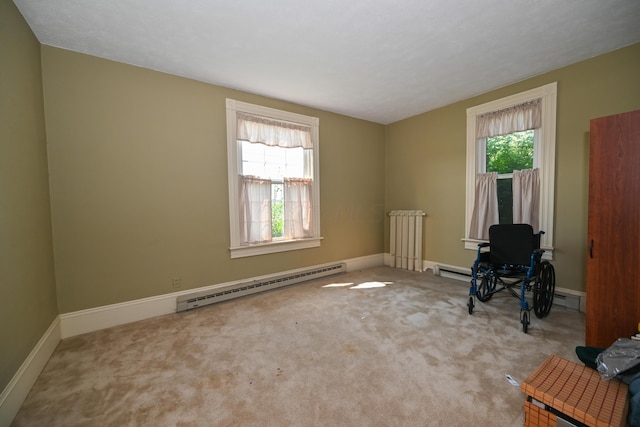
[[107, 316], [94, 319], [426, 265], [18, 388], [388, 261], [364, 262]]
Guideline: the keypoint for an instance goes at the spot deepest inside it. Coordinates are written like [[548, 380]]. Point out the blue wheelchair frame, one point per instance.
[[505, 266]]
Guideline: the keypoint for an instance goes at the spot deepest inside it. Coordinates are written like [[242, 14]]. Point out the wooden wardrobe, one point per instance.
[[613, 245]]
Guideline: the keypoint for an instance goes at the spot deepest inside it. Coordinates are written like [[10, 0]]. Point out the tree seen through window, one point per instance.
[[506, 153]]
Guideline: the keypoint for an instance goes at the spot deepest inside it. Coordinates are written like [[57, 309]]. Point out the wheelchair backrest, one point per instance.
[[512, 244]]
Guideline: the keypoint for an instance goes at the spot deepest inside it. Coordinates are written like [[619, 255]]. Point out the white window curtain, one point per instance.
[[298, 208], [526, 197], [255, 210], [485, 208], [272, 132], [513, 119]]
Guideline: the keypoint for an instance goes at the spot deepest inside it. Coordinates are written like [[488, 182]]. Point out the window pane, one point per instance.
[[277, 210], [506, 153], [273, 170], [272, 162], [253, 168], [252, 159], [252, 152], [505, 200], [294, 163], [274, 155]]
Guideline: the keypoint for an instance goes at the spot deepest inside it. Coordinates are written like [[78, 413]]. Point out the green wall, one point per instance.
[[138, 172], [425, 159], [27, 287]]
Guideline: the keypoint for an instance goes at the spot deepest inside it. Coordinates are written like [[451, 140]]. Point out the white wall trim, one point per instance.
[[389, 261], [106, 316], [428, 265], [18, 388], [364, 262], [94, 319], [274, 247]]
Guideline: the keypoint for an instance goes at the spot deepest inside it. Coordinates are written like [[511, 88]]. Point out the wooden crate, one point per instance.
[[576, 392], [536, 416]]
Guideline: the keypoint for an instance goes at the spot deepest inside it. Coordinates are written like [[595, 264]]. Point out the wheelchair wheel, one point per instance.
[[470, 305], [525, 321], [486, 288], [544, 289]]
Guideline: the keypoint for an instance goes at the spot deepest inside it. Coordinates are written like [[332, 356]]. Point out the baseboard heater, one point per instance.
[[452, 272], [571, 302], [212, 296]]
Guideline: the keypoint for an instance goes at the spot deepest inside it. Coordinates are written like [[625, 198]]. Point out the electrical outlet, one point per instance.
[[176, 283]]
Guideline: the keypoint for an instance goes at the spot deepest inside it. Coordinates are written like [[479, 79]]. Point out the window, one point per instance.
[[507, 155], [274, 202], [504, 154]]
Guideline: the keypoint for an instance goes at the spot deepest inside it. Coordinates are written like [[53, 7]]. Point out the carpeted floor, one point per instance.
[[378, 347]]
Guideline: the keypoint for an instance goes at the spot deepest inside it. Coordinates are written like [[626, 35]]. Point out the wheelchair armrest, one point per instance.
[[482, 256], [536, 255], [482, 245]]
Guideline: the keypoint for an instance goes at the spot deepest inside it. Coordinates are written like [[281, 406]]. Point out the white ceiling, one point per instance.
[[379, 60]]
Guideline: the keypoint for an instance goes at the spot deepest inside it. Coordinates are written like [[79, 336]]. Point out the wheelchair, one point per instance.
[[513, 259]]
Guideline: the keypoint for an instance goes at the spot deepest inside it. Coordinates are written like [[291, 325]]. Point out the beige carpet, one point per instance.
[[378, 347]]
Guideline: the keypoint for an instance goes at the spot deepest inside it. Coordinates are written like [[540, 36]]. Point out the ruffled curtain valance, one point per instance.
[[272, 132], [513, 119]]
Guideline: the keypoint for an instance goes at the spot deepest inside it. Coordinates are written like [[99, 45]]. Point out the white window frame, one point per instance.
[[546, 144], [234, 166]]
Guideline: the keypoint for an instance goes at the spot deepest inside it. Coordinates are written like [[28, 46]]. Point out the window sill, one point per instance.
[[472, 244], [274, 247]]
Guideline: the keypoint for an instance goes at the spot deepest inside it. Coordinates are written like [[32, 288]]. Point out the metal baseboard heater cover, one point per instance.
[[212, 296], [452, 272], [571, 302]]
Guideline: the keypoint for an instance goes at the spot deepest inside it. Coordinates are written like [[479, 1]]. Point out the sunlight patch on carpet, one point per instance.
[[363, 285]]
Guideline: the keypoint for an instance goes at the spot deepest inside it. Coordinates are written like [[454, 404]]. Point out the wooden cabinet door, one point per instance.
[[613, 245]]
